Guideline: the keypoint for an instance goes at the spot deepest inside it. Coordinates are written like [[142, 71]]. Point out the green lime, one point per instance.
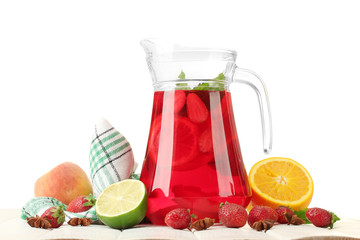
[[123, 204]]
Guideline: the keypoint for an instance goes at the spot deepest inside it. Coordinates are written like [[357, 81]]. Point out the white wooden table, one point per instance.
[[12, 227]]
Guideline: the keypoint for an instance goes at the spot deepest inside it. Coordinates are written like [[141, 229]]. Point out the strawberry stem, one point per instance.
[[334, 218], [58, 212], [90, 200]]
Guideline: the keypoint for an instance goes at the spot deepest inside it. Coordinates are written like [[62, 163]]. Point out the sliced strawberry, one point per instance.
[[196, 108], [179, 102], [205, 141], [174, 101], [169, 101]]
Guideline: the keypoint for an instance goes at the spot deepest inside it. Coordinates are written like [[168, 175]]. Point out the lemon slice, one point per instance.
[[123, 204], [280, 181]]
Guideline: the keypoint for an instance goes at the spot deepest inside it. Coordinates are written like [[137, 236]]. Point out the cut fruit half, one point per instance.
[[123, 204], [183, 141], [280, 181]]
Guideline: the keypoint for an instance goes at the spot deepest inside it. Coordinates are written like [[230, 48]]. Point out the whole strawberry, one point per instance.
[[55, 215], [178, 218], [232, 215], [284, 214], [81, 204], [321, 217], [272, 213], [262, 217]]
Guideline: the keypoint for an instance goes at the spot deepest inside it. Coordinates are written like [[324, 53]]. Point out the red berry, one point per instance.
[[272, 213], [261, 213], [196, 108], [319, 217], [177, 104], [178, 218], [281, 211], [55, 215], [232, 215], [169, 101], [81, 204]]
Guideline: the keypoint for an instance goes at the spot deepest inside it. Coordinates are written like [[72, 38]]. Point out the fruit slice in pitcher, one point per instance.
[[181, 137], [186, 138], [169, 101], [205, 141], [178, 103], [196, 108]]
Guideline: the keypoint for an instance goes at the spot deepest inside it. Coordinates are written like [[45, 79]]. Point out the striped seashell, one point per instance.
[[111, 157]]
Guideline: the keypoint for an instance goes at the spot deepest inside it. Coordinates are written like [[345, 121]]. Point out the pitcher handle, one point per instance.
[[252, 79]]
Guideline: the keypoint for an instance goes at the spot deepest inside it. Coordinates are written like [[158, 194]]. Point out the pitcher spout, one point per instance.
[[153, 45]]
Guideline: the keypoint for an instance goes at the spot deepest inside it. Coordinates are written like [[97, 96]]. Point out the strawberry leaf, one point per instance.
[[334, 218], [191, 215], [302, 214], [87, 204], [135, 176], [58, 213], [90, 200]]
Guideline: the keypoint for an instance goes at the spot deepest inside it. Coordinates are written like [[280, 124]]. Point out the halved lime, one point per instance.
[[123, 204]]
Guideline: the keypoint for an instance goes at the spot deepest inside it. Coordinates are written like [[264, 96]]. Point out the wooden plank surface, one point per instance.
[[12, 227]]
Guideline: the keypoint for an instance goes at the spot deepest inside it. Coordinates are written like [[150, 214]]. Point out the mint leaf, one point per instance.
[[182, 86], [220, 86], [302, 214], [334, 218], [202, 86], [213, 84], [181, 75], [221, 76]]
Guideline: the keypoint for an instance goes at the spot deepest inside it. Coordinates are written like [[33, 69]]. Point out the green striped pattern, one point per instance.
[[106, 150], [38, 205]]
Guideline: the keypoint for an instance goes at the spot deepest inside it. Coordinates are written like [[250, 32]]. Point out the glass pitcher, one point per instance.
[[193, 158]]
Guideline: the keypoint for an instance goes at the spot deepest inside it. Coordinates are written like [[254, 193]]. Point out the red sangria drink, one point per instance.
[[193, 158]]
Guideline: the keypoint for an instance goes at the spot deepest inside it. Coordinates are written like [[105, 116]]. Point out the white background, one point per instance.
[[65, 64]]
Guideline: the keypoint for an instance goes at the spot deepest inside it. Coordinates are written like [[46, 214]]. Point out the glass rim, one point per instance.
[[193, 54], [163, 51]]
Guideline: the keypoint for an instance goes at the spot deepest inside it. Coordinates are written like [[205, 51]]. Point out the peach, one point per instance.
[[65, 182]]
